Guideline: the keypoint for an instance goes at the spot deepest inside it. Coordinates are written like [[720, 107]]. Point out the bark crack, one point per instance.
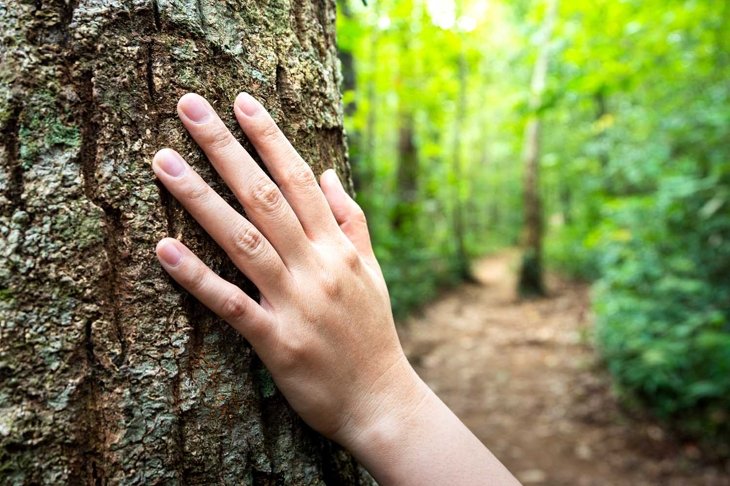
[[201, 15], [168, 204], [14, 192], [322, 14], [156, 14], [302, 23], [113, 226], [88, 458], [150, 71], [180, 425]]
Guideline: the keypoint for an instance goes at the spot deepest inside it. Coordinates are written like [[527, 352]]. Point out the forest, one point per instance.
[[594, 136], [547, 189]]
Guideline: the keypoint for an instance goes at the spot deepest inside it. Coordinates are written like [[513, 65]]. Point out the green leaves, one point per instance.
[[635, 167]]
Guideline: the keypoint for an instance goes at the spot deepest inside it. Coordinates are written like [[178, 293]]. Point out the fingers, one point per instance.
[[264, 203], [347, 213], [223, 298], [247, 247], [293, 175]]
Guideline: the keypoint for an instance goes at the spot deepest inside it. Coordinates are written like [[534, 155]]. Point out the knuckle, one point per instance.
[[266, 195], [300, 177], [195, 278], [248, 241], [292, 354], [351, 259], [330, 286], [197, 192], [235, 307], [358, 216], [269, 132], [218, 137]]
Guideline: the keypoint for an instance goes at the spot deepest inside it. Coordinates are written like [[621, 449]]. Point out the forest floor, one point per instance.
[[525, 379]]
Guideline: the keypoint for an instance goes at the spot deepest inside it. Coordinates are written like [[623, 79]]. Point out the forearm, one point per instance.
[[419, 440]]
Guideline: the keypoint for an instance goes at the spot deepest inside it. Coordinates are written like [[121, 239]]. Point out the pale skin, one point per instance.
[[323, 325]]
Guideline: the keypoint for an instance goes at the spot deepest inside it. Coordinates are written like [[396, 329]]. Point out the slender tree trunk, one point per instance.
[[463, 269], [109, 373], [593, 205], [405, 212], [566, 203], [462, 259], [366, 169], [481, 213], [404, 218], [530, 280]]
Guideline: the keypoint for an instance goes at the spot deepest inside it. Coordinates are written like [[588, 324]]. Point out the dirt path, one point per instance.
[[524, 378]]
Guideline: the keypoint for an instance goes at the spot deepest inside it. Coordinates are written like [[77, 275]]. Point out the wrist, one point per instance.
[[412, 438], [381, 420]]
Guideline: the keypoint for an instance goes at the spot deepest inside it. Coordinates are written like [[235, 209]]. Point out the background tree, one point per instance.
[[424, 190], [109, 373], [531, 275], [463, 269]]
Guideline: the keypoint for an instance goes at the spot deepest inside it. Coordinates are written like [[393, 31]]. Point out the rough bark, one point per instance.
[[530, 280], [109, 373]]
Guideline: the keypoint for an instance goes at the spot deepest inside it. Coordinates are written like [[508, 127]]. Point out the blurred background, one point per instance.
[[548, 188]]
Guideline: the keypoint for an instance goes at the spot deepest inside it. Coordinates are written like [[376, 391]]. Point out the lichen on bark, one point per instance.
[[109, 373]]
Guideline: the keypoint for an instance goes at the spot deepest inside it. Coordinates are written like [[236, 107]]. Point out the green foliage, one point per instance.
[[645, 163], [635, 168], [663, 305]]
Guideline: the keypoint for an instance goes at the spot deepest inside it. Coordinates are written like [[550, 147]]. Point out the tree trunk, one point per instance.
[[109, 373], [463, 267], [405, 212], [530, 280], [366, 170]]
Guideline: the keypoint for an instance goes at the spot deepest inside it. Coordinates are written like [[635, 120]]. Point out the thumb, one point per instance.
[[348, 213]]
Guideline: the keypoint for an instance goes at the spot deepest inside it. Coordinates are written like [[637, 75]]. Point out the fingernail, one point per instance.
[[247, 104], [169, 253], [194, 108], [171, 163], [335, 178]]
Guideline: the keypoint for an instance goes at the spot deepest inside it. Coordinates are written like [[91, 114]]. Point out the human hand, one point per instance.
[[323, 326]]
